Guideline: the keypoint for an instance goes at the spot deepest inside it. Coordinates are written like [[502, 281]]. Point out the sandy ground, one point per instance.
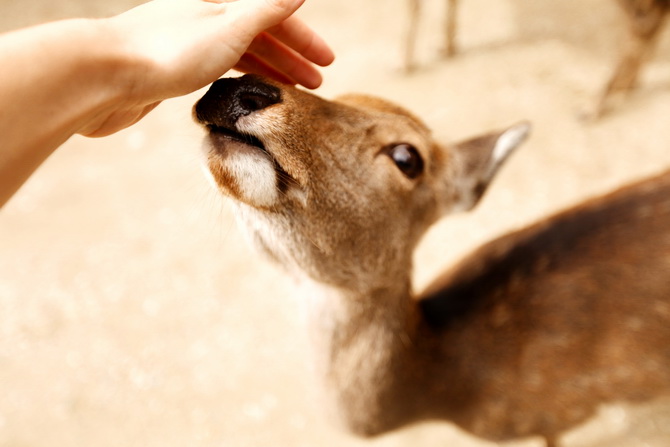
[[132, 313]]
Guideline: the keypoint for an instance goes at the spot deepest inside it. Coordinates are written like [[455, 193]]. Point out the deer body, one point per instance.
[[568, 314], [526, 336]]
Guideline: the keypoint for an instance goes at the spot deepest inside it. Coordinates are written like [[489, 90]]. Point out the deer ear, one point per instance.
[[480, 158]]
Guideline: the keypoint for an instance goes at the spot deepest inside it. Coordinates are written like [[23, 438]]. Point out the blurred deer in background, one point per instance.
[[645, 19], [449, 34], [526, 336]]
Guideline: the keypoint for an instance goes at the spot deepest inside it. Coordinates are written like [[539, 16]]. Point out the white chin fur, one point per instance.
[[254, 175]]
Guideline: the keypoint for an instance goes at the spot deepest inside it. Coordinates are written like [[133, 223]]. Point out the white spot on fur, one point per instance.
[[255, 175], [265, 124], [297, 194]]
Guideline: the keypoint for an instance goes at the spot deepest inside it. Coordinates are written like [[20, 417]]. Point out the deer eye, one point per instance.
[[406, 158]]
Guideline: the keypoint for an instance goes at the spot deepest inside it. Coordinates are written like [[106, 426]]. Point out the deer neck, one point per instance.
[[350, 319], [382, 363], [364, 347]]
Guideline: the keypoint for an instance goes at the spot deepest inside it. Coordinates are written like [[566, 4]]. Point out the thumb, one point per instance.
[[255, 16]]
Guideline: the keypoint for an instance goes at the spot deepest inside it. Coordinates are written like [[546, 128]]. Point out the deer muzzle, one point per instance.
[[237, 158]]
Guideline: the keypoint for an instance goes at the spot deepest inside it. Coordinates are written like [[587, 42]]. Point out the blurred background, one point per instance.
[[132, 312]]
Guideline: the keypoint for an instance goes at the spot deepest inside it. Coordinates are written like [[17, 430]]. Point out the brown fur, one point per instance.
[[569, 313], [526, 336]]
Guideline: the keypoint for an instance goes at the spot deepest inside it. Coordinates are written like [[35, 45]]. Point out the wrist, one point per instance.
[[106, 72]]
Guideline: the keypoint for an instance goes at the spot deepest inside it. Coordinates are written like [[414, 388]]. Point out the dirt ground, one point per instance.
[[132, 312]]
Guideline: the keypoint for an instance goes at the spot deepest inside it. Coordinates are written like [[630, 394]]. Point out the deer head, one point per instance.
[[341, 190]]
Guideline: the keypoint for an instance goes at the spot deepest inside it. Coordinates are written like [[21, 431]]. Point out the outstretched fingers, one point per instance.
[[282, 46], [251, 64], [295, 34], [282, 59], [255, 16]]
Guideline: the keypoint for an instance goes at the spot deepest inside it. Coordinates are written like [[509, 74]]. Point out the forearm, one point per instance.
[[57, 79]]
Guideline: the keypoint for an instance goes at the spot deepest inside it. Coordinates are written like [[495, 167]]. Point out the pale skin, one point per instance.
[[95, 77]]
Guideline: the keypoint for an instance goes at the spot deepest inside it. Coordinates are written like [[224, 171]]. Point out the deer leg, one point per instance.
[[451, 25], [627, 71], [410, 38]]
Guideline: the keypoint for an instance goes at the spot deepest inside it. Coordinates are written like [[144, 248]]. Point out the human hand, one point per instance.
[[178, 46]]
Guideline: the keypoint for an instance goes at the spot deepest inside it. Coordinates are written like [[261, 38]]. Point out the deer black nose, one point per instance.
[[229, 99]]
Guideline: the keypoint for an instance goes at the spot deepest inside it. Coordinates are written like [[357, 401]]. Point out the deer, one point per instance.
[[645, 19], [526, 336]]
